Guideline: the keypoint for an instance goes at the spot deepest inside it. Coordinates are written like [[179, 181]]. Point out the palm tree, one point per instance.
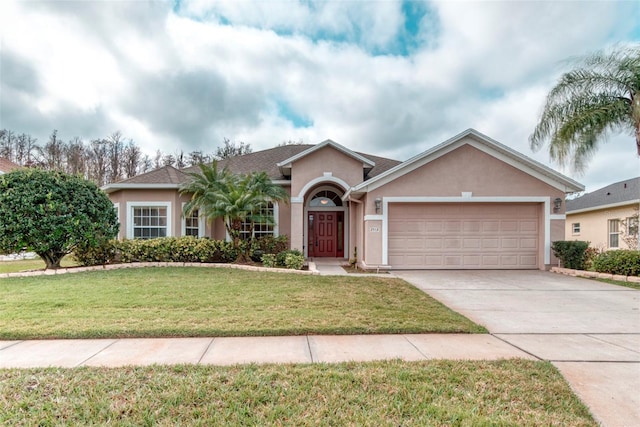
[[601, 95], [236, 198]]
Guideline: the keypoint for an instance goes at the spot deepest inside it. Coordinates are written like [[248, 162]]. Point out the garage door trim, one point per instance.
[[468, 198]]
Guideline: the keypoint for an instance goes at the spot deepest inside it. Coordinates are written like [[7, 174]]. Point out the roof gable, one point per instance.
[[616, 194], [285, 165], [484, 144], [161, 178]]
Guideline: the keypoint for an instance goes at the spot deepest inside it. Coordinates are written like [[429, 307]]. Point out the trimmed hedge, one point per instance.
[[166, 249], [621, 261], [188, 249], [572, 253]]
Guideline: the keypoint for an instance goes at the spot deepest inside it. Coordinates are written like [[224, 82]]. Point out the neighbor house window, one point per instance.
[[614, 233], [263, 228], [148, 220], [575, 228], [632, 226]]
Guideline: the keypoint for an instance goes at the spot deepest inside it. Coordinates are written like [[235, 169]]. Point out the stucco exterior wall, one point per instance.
[[325, 160], [594, 225], [141, 197], [466, 169]]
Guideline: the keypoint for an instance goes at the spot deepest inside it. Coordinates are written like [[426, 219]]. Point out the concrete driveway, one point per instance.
[[589, 330]]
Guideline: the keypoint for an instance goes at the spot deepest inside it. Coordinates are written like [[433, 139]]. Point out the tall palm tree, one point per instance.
[[601, 95], [235, 198]]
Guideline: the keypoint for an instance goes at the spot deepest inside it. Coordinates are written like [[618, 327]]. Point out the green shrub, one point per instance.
[[623, 262], [282, 256], [105, 253], [571, 253], [269, 260], [294, 261], [165, 249], [270, 244], [589, 255]]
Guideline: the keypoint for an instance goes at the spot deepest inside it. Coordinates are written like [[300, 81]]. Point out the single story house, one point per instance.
[[467, 203], [7, 165], [601, 216]]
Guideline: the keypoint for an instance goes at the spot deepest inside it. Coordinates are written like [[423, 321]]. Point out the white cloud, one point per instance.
[[219, 68]]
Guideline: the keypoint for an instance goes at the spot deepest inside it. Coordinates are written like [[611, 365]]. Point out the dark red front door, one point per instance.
[[325, 234]]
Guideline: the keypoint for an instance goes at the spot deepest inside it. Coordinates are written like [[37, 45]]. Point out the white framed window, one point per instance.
[[194, 224], [148, 220], [262, 228], [614, 233], [116, 207], [575, 228], [632, 226]]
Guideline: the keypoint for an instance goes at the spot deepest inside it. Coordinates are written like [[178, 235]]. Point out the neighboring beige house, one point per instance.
[[601, 216], [468, 203], [7, 165]]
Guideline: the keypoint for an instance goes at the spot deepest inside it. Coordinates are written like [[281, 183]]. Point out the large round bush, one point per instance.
[[52, 213]]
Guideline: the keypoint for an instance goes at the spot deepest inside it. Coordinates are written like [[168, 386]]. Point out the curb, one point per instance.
[[312, 268], [595, 275]]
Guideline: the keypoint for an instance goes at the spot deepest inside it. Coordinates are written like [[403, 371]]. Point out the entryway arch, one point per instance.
[[326, 219]]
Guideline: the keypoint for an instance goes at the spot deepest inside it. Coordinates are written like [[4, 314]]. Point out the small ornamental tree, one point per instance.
[[52, 213]]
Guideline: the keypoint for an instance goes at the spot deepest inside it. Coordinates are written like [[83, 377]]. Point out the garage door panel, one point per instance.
[[509, 243], [463, 235]]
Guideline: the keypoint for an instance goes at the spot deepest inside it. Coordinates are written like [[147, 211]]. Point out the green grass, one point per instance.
[[191, 302], [31, 264], [439, 393], [619, 283]]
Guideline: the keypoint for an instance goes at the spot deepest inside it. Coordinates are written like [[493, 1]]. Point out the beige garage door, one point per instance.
[[463, 235]]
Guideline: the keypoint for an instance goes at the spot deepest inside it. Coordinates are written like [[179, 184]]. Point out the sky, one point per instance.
[[390, 78]]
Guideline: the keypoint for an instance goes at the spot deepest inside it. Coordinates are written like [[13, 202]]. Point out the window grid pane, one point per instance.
[[149, 222], [614, 233], [259, 228], [192, 224]]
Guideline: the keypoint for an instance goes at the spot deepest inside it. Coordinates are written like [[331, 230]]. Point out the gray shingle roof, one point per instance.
[[267, 161], [619, 192], [7, 165], [163, 175]]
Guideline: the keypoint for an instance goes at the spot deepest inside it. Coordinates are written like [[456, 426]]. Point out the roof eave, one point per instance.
[[112, 188], [608, 206]]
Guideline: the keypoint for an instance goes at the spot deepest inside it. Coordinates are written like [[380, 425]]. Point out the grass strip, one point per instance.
[[443, 393], [195, 302]]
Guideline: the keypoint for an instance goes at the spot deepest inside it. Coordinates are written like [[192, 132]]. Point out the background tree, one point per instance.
[[601, 95], [231, 149], [51, 213]]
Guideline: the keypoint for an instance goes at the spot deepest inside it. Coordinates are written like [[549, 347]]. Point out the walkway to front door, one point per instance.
[[326, 234]]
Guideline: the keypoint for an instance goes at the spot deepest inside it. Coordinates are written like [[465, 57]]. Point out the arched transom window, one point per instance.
[[325, 198]]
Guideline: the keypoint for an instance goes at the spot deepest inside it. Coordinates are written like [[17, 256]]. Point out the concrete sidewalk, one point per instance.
[[237, 350]]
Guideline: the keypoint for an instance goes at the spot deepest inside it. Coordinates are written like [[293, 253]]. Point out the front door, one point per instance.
[[325, 234]]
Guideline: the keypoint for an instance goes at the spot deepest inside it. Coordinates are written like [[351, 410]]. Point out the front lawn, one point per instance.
[[32, 264], [432, 393], [192, 302]]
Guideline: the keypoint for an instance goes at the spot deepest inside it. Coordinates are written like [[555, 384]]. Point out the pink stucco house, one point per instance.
[[468, 203]]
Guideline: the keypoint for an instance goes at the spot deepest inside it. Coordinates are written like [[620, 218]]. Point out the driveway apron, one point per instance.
[[589, 330]]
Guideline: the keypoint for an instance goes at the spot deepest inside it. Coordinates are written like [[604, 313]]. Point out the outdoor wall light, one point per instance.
[[378, 203], [557, 203]]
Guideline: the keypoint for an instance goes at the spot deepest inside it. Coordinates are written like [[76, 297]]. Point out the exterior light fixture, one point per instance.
[[378, 203], [557, 203]]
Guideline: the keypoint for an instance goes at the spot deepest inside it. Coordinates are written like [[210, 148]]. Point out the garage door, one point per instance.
[[463, 236]]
